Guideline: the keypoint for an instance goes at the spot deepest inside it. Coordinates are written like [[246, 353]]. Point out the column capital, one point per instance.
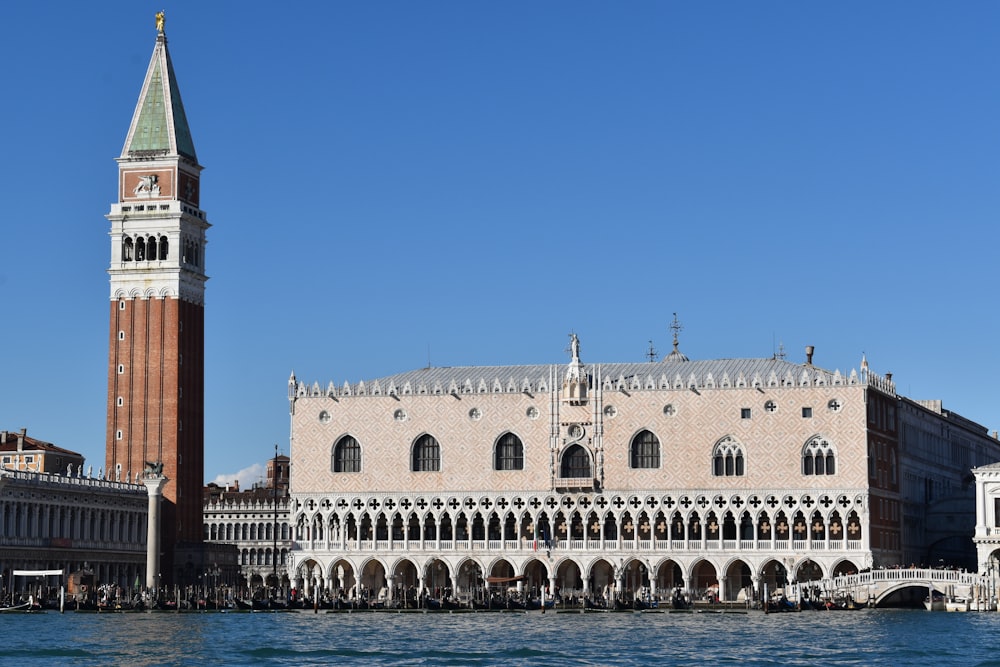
[[154, 484]]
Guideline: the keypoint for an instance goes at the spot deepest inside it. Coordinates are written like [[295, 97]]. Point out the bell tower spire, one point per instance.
[[156, 376]]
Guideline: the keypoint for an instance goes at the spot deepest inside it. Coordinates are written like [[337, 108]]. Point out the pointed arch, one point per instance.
[[727, 458], [644, 450], [508, 452], [426, 454], [346, 456], [819, 457]]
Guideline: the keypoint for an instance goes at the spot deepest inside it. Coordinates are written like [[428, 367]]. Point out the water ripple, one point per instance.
[[880, 638]]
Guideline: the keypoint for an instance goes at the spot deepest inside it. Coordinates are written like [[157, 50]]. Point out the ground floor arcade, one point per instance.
[[395, 578]]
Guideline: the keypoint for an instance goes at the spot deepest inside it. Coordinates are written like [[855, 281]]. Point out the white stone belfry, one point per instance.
[[154, 486]]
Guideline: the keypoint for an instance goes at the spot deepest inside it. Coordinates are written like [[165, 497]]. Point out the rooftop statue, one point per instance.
[[160, 19], [574, 346]]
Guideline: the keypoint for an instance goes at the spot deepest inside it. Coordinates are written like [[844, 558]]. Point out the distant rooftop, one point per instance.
[[11, 441]]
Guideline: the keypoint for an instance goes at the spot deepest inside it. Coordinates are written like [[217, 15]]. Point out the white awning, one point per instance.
[[38, 573]]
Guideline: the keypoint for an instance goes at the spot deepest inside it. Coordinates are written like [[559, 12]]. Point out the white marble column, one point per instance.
[[980, 507], [154, 486]]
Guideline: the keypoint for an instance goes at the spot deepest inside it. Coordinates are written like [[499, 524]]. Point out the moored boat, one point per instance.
[[957, 603], [934, 602]]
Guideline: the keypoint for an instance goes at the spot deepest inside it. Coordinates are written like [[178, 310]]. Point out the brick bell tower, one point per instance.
[[156, 361]]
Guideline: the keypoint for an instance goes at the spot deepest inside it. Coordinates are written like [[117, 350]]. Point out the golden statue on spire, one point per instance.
[[159, 22]]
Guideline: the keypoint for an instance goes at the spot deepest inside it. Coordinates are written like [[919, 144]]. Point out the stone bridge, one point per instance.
[[876, 586]]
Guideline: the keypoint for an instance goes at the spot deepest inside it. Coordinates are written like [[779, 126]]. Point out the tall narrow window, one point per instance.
[[426, 454], [347, 455], [645, 450], [509, 453]]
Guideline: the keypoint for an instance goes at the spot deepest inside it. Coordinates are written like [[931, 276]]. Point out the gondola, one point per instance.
[[23, 607]]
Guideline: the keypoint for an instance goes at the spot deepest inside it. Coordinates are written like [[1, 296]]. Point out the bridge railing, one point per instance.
[[899, 575]]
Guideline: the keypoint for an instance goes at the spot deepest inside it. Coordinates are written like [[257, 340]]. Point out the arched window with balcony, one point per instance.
[[575, 463]]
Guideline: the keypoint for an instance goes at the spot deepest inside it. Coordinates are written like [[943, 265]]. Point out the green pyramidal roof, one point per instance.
[[159, 125]]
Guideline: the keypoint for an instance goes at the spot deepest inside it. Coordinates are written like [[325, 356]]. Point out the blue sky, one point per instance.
[[463, 183]]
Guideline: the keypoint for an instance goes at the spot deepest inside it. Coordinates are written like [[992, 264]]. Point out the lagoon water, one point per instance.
[[869, 637]]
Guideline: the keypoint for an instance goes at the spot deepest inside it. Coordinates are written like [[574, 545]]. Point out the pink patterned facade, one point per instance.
[[714, 477]]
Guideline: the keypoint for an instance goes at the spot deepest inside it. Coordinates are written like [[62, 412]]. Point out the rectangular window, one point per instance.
[[6, 459], [807, 413], [29, 459], [744, 413]]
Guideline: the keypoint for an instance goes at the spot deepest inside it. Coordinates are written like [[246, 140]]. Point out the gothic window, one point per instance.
[[727, 458], [140, 249], [644, 451], [151, 248], [819, 457], [426, 454], [164, 246], [575, 462], [347, 455], [127, 250], [509, 453]]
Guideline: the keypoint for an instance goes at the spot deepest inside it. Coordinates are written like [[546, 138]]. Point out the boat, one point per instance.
[[957, 603], [678, 601], [935, 602], [782, 604], [981, 604]]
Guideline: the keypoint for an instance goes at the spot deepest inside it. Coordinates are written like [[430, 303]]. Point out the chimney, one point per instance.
[[888, 376], [20, 439], [3, 437], [809, 354]]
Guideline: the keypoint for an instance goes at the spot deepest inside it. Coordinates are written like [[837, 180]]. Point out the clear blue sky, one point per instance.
[[467, 182]]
